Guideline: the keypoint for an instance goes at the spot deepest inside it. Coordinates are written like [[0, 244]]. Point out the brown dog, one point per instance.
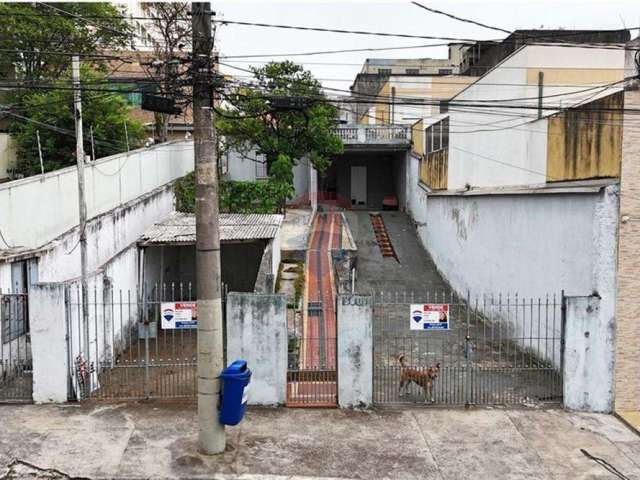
[[422, 378]]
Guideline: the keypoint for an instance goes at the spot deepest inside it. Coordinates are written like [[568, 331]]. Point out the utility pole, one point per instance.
[[211, 435], [82, 209], [40, 152], [93, 146]]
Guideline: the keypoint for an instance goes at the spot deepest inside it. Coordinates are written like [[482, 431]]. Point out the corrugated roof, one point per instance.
[[180, 228]]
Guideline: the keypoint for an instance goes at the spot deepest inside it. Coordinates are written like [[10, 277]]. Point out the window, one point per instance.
[[261, 169], [412, 71], [444, 106], [445, 71], [384, 71], [437, 131], [445, 133], [437, 136]]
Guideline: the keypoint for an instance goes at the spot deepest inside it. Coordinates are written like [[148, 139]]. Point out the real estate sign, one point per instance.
[[179, 315], [429, 316]]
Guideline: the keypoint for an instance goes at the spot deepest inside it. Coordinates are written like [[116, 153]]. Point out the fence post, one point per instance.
[[48, 343], [355, 350], [467, 353], [145, 329]]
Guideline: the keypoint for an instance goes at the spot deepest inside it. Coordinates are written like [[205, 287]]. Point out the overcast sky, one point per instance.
[[338, 70]]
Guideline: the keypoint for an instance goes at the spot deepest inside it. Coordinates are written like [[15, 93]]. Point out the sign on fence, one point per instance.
[[179, 315], [429, 316]]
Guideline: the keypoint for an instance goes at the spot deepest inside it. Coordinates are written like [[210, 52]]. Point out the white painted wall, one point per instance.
[[532, 245], [504, 146], [243, 168], [589, 356], [38, 209], [257, 333], [355, 351], [7, 154], [48, 343], [107, 235]]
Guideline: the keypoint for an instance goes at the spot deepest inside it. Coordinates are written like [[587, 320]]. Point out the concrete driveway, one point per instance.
[[159, 441]]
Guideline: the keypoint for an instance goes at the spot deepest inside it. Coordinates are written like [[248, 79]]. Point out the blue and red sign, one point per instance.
[[430, 316], [179, 315]]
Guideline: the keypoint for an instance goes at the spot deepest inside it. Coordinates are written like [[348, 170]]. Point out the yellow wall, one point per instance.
[[574, 76], [434, 170], [417, 138], [586, 142]]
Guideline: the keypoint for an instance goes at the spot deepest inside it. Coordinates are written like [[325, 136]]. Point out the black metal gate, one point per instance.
[[132, 353], [16, 378], [497, 349]]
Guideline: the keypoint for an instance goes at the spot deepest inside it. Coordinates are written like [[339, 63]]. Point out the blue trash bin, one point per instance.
[[235, 380]]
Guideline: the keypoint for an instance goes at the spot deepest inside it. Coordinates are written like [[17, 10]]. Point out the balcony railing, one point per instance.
[[366, 134]]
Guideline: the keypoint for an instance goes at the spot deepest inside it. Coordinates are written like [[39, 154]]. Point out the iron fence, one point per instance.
[[16, 378], [142, 343], [498, 349]]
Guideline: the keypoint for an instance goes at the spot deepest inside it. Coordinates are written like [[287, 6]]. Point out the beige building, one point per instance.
[[404, 99]]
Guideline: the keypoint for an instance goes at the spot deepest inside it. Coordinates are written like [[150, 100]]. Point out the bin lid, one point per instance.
[[237, 367]]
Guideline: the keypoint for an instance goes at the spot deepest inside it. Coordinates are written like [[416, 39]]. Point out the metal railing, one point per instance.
[[499, 349], [16, 379], [365, 134], [133, 353]]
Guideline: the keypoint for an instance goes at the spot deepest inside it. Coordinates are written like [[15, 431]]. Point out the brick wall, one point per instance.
[[627, 367]]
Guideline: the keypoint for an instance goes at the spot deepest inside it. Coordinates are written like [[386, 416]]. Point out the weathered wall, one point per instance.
[[257, 333], [355, 351], [107, 235], [627, 367], [589, 356], [492, 147], [48, 343], [38, 209], [533, 244], [586, 142]]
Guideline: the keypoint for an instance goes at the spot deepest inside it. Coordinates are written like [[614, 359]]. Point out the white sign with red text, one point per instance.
[[179, 315], [429, 316]]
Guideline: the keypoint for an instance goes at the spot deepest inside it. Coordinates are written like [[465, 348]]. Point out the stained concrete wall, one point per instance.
[[589, 356], [355, 351], [530, 244], [48, 343], [257, 333], [533, 244], [38, 209]]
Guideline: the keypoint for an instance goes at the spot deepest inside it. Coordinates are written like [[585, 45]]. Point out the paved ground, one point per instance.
[[413, 272], [488, 368], [155, 441]]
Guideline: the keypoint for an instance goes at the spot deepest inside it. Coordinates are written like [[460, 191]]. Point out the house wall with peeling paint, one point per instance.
[[531, 244]]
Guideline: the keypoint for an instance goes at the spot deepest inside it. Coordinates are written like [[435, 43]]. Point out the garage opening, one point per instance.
[[366, 180]]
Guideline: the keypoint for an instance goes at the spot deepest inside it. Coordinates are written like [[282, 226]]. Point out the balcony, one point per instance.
[[374, 137]]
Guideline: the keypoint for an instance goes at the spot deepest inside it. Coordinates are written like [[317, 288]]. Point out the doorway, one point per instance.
[[358, 185]]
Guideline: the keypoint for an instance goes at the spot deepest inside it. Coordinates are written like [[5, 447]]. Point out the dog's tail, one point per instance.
[[401, 360]]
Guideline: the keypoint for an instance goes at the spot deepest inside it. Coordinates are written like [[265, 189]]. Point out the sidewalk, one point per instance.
[[159, 441]]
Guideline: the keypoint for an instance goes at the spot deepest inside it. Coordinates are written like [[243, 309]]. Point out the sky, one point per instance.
[[338, 70]]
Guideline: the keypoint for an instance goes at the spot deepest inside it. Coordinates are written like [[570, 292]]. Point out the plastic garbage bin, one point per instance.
[[235, 381]]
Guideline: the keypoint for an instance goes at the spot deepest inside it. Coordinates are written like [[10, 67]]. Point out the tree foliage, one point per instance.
[[283, 113], [264, 196], [104, 112], [31, 33]]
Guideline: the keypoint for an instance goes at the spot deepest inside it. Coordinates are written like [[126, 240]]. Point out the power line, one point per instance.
[[460, 19]]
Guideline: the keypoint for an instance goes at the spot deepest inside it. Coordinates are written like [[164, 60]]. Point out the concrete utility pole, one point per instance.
[[210, 340], [82, 207]]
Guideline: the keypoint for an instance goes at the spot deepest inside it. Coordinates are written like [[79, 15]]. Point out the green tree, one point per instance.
[[285, 113], [51, 113], [31, 34]]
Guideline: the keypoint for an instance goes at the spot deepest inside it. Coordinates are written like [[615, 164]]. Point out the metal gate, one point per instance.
[[497, 350], [132, 353], [16, 378], [312, 369]]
